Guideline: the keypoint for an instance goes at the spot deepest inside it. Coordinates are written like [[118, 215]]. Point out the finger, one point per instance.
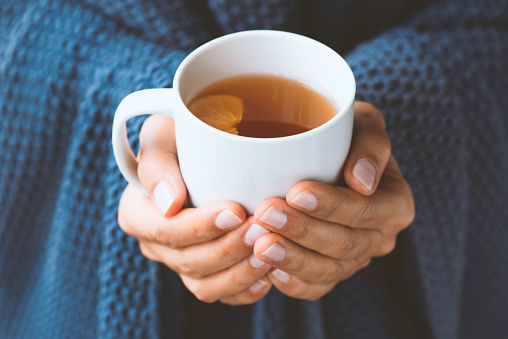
[[330, 239], [392, 206], [138, 217], [229, 282], [294, 287], [335, 204], [204, 259], [277, 251], [158, 167], [249, 296], [394, 187], [370, 150]]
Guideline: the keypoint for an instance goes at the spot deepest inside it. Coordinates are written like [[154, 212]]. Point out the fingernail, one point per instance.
[[163, 195], [255, 262], [254, 233], [275, 252], [257, 286], [227, 219], [365, 173], [305, 200], [281, 275], [274, 217]]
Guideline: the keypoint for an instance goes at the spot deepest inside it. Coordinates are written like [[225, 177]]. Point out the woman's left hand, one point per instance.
[[323, 234]]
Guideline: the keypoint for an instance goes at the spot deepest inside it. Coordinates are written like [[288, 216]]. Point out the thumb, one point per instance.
[[158, 168], [370, 150]]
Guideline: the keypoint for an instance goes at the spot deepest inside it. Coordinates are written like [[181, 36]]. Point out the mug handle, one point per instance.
[[149, 101]]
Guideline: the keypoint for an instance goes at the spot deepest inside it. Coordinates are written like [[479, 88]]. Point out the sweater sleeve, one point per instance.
[[64, 69], [440, 79]]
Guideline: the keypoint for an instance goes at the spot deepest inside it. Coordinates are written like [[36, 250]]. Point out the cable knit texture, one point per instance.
[[436, 69]]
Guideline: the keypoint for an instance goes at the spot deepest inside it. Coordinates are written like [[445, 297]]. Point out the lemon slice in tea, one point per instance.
[[221, 111]]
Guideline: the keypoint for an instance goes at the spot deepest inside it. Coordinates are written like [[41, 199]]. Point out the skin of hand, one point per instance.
[[303, 245], [322, 234], [206, 246]]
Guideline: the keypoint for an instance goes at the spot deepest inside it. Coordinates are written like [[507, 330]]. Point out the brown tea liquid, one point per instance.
[[274, 106], [269, 129]]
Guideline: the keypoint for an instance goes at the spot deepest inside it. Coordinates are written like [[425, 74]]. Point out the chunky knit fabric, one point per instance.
[[438, 72]]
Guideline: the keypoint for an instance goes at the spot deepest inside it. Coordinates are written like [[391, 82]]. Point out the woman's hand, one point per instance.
[[209, 247], [323, 234]]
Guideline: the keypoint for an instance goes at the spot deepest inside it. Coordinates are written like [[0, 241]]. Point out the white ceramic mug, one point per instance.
[[216, 165]]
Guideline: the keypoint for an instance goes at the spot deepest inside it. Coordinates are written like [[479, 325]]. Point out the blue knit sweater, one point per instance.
[[436, 69]]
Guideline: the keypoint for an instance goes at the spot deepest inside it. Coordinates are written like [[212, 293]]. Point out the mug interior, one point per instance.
[[272, 53]]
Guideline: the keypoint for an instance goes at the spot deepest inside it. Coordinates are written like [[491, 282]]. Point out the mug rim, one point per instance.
[[240, 35]]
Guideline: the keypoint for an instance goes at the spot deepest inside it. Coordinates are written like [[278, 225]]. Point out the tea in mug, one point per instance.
[[262, 106]]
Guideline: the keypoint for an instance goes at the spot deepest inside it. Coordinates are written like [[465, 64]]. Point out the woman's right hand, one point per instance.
[[210, 246]]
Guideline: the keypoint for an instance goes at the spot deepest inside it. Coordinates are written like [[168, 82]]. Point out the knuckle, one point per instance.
[[147, 254], [337, 272], [227, 253], [197, 231], [297, 264], [243, 279], [331, 276], [347, 244], [302, 231], [366, 212], [332, 207], [223, 250], [161, 235], [183, 266], [187, 269], [202, 294], [387, 247]]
